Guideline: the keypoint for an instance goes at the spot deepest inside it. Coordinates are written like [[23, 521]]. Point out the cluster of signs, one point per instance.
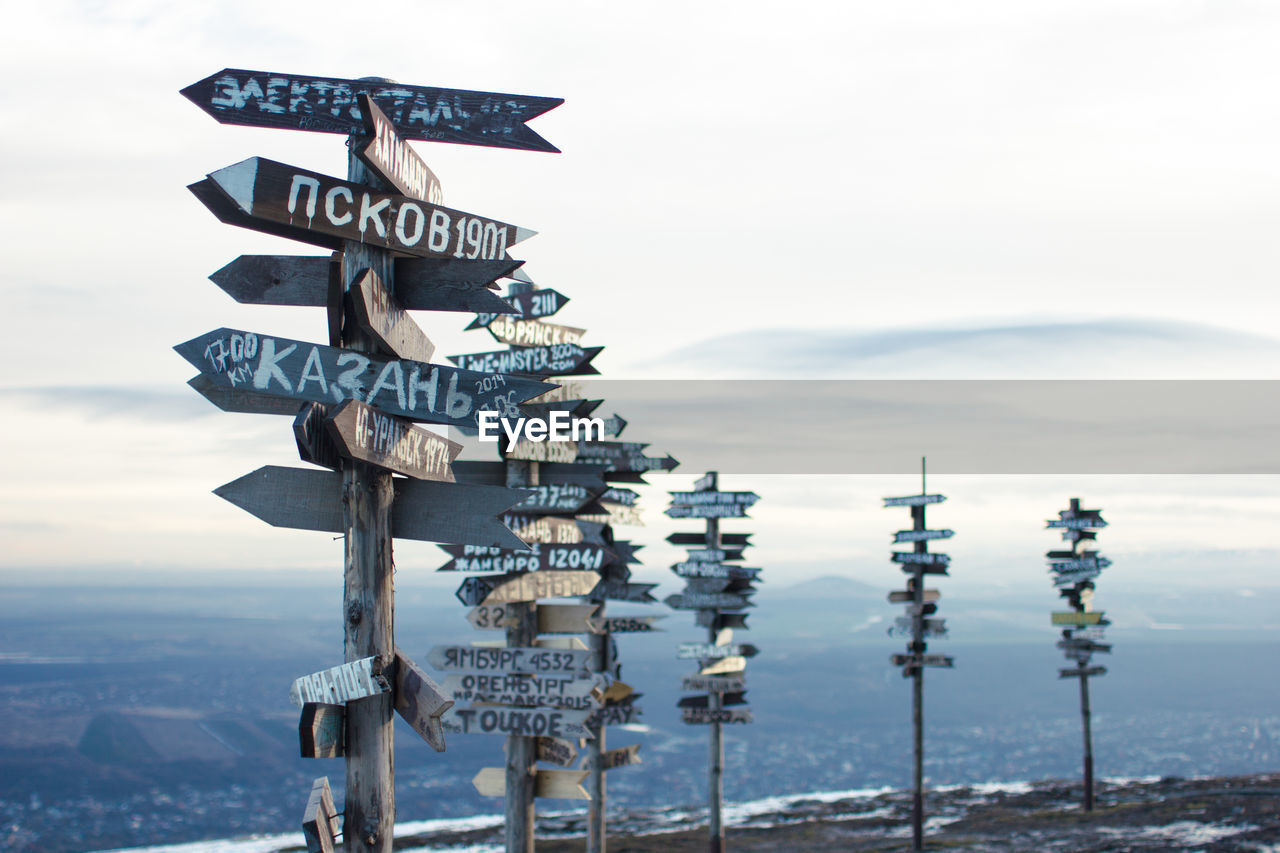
[[563, 690], [918, 623], [1073, 573], [718, 589], [356, 396]]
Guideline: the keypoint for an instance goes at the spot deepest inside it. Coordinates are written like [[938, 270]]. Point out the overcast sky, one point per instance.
[[1030, 190]]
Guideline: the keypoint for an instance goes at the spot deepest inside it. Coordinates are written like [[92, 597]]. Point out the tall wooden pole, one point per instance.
[[368, 594], [599, 645], [917, 677], [715, 763], [1088, 739], [522, 752]]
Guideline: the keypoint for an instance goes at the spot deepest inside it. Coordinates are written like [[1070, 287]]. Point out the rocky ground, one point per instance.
[[1212, 815]]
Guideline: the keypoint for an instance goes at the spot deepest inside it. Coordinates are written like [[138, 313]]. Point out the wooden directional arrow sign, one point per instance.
[[524, 722], [914, 500], [710, 651], [390, 157], [614, 425], [327, 211], [720, 621], [721, 715], [1072, 617], [340, 684], [724, 666], [419, 701], [518, 332], [542, 691], [714, 570], [912, 558], [630, 624], [321, 822], [471, 558], [551, 784], [242, 400], [422, 284], [364, 433], [307, 499], [493, 659], [378, 313], [621, 757], [714, 683], [619, 713], [1066, 579], [1066, 561], [552, 530], [552, 618], [304, 372], [905, 596], [699, 540], [922, 535], [736, 697], [713, 555], [715, 600], [1087, 671], [536, 585], [1084, 645], [542, 451], [557, 360], [616, 515], [922, 660], [612, 590], [1087, 523], [708, 510], [331, 105], [742, 499], [554, 750], [322, 730], [528, 305], [563, 498]]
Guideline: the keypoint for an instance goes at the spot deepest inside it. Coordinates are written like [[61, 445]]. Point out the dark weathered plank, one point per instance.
[[362, 432], [920, 558], [711, 651], [322, 730], [529, 305], [330, 105], [554, 750], [330, 210], [714, 570], [713, 600], [422, 284], [719, 621], [473, 558], [434, 512], [556, 498], [921, 535], [1087, 672], [904, 596], [915, 500], [380, 315], [552, 530], [727, 698], [611, 590], [714, 683], [702, 716], [621, 757], [734, 540], [631, 624], [302, 371], [314, 443], [420, 701], [321, 822], [706, 498], [535, 585], [244, 400], [389, 155], [557, 360]]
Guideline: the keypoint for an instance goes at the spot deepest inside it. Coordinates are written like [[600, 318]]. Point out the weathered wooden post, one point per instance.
[[355, 399], [921, 603], [714, 588], [1074, 571]]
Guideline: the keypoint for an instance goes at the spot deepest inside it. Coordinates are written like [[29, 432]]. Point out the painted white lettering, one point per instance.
[[438, 237], [373, 213], [269, 366], [313, 370], [313, 190], [330, 208], [419, 221]]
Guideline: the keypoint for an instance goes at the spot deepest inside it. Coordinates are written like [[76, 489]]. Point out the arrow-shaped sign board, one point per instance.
[[906, 596], [923, 660], [706, 482], [912, 558], [736, 697], [321, 822], [713, 555], [708, 510], [698, 540], [492, 659], [419, 701], [712, 600], [390, 156], [715, 715], [1085, 561], [611, 590], [618, 714], [554, 691], [714, 683], [394, 444], [555, 498], [378, 314], [552, 530], [307, 499], [630, 624], [621, 757], [1085, 671], [322, 730], [710, 651], [528, 305], [557, 360], [701, 498], [340, 684], [1085, 645], [719, 621], [554, 750], [552, 618], [473, 558], [331, 105], [914, 500], [527, 450], [1086, 523], [242, 400], [536, 585], [1066, 579], [422, 284], [329, 211], [519, 332], [552, 784], [1072, 617], [523, 722], [305, 372], [724, 666], [714, 570], [922, 535]]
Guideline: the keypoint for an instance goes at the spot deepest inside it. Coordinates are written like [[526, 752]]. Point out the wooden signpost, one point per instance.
[[1074, 571], [712, 588], [577, 555], [349, 394], [920, 603], [555, 784]]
